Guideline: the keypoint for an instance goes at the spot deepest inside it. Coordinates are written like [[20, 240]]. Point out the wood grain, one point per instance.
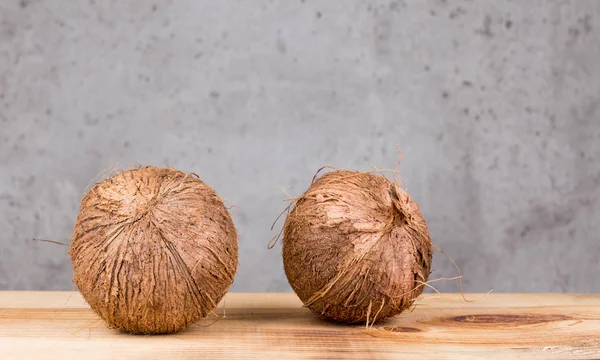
[[59, 325]]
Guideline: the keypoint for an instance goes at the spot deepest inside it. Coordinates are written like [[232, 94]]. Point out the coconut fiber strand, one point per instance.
[[154, 250], [356, 248]]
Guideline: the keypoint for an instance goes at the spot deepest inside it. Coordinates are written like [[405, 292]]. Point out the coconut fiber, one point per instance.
[[154, 250], [356, 248]]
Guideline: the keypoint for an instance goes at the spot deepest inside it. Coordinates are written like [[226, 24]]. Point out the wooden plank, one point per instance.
[[59, 325]]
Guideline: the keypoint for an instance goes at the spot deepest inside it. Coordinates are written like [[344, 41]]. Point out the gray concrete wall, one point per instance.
[[495, 105]]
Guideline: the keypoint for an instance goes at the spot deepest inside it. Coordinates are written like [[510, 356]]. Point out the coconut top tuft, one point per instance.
[[356, 247], [153, 250]]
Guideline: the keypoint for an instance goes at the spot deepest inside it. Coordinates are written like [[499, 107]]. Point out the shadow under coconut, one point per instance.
[[383, 324]]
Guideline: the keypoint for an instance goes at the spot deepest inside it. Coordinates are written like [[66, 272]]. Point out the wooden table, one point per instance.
[[59, 325]]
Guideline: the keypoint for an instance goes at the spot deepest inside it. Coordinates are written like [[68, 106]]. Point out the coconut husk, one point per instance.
[[153, 250], [356, 248]]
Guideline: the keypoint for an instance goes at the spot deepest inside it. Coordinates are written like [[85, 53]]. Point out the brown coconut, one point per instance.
[[356, 248], [153, 251]]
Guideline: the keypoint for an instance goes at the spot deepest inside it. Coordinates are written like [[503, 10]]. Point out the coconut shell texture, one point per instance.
[[153, 251], [356, 248]]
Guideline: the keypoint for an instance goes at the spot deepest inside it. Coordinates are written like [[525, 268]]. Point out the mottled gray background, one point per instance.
[[495, 105]]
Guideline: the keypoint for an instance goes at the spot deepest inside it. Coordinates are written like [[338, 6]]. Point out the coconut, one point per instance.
[[153, 250], [356, 248]]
